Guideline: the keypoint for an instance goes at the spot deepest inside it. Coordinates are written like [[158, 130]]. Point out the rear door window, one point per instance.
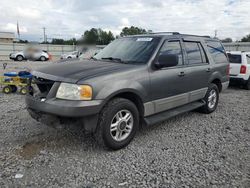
[[217, 51], [234, 58], [195, 53]]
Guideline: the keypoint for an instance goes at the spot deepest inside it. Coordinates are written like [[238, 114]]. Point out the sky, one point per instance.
[[70, 18]]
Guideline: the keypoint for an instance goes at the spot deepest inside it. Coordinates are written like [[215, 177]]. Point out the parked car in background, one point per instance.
[[31, 54], [89, 53], [240, 68], [71, 55], [143, 79]]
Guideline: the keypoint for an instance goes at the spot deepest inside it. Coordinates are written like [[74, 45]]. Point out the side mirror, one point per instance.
[[167, 60]]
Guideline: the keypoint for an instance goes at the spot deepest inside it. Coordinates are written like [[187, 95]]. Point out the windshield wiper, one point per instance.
[[93, 58], [113, 59]]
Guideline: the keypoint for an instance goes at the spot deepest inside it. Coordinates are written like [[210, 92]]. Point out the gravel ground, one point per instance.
[[190, 150]]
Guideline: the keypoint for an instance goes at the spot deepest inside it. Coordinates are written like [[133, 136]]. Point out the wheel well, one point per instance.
[[134, 98], [218, 83]]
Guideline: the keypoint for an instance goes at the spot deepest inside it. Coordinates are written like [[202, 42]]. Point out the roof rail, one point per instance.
[[177, 33], [173, 33], [206, 36]]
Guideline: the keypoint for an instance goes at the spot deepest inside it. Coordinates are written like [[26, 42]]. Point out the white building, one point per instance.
[[7, 37]]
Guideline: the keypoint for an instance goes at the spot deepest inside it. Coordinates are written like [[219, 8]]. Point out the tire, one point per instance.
[[7, 89], [69, 57], [211, 100], [19, 58], [13, 89], [123, 130], [247, 86], [42, 58], [24, 90]]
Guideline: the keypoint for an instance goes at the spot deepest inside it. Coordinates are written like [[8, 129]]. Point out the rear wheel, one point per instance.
[[42, 58], [7, 89], [247, 86], [118, 123], [19, 58], [211, 99]]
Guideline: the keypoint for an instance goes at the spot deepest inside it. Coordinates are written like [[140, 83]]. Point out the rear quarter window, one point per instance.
[[217, 51], [233, 58]]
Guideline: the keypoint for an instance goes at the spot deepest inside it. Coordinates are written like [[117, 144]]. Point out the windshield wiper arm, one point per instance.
[[113, 59]]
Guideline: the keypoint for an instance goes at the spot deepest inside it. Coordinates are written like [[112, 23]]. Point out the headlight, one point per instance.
[[74, 92]]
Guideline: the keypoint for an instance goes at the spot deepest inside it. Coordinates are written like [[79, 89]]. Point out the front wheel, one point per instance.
[[211, 99], [118, 123]]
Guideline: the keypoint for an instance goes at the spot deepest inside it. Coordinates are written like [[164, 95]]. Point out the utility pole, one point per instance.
[[215, 33], [44, 35]]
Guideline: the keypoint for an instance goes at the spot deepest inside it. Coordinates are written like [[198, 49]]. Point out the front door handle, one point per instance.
[[208, 69], [181, 74]]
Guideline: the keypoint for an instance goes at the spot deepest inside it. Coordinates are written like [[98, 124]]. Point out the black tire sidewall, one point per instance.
[[19, 59], [4, 89], [106, 123], [211, 87], [42, 58]]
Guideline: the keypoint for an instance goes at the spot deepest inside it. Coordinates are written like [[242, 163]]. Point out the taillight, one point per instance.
[[243, 69], [228, 69]]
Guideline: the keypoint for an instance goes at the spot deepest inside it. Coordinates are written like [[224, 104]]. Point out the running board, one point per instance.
[[162, 116]]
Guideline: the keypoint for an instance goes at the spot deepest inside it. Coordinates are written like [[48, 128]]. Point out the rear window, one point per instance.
[[233, 58], [217, 51]]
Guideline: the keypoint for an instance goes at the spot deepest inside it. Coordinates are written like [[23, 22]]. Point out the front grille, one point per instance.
[[41, 87]]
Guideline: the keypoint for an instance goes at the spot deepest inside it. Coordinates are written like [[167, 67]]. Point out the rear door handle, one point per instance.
[[208, 69], [181, 74]]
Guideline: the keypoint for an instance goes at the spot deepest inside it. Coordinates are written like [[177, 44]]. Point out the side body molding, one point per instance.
[[164, 104]]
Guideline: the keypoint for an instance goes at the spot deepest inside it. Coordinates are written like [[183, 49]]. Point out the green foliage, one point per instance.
[[246, 38], [62, 41], [23, 41], [132, 31], [227, 40], [97, 36]]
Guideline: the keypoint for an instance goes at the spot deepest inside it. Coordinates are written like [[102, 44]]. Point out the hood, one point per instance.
[[74, 71]]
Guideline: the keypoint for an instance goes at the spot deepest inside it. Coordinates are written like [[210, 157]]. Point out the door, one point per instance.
[[168, 84], [235, 63], [197, 70]]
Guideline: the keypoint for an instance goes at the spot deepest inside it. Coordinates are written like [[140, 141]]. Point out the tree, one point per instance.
[[65, 42], [91, 36], [246, 38], [132, 31], [57, 41], [97, 36], [227, 40]]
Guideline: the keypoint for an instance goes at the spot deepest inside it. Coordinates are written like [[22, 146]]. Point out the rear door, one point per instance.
[[197, 69], [235, 63]]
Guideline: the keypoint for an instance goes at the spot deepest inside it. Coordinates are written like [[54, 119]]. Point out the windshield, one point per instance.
[[129, 50]]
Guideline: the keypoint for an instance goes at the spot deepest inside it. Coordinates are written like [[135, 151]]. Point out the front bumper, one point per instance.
[[59, 113], [65, 108]]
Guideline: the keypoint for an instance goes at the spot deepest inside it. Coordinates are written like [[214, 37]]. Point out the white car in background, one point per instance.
[[30, 54], [71, 55], [240, 67]]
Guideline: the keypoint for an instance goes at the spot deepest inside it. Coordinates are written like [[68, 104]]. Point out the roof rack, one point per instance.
[[173, 33], [177, 33], [206, 36]]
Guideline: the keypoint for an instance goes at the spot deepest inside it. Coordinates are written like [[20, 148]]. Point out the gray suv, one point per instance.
[[135, 80]]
